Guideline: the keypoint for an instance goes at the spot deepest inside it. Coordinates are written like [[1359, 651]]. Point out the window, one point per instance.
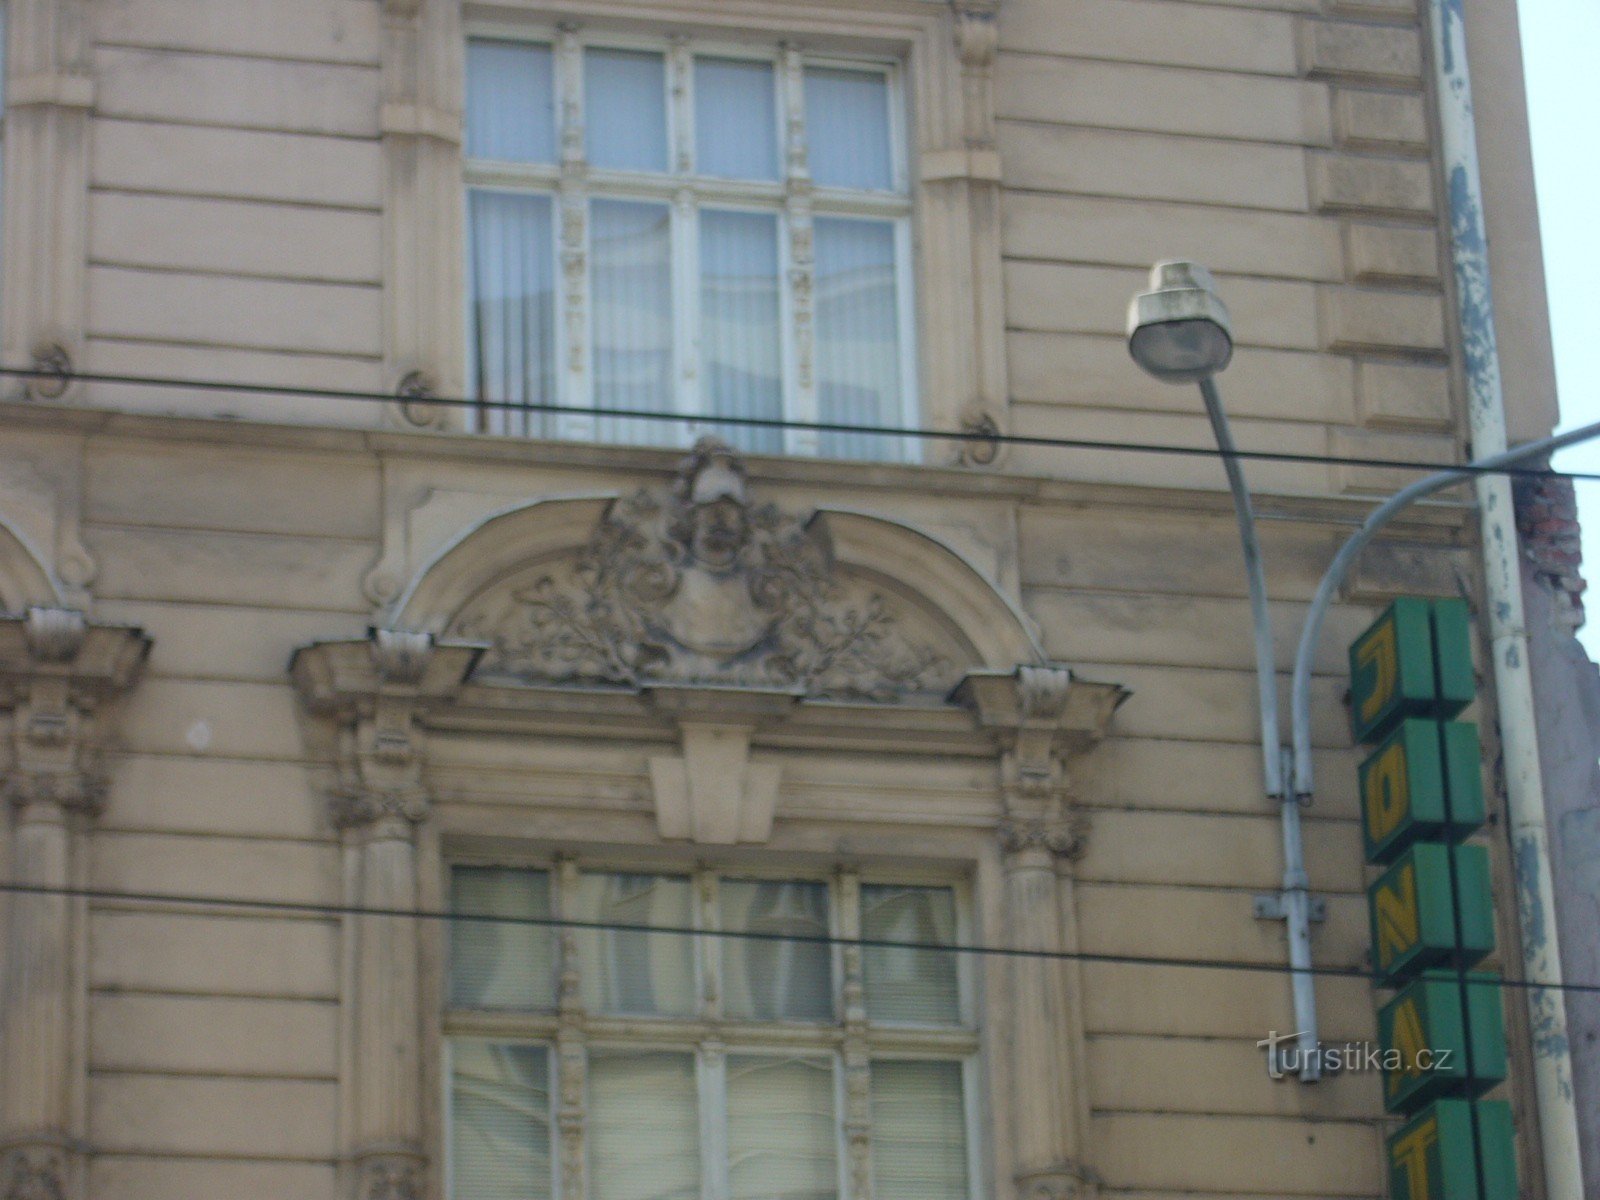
[[704, 1068], [690, 228]]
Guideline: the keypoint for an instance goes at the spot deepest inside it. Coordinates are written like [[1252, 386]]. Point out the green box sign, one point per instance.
[[1415, 660], [1412, 911], [1424, 1033], [1436, 1154], [1425, 772]]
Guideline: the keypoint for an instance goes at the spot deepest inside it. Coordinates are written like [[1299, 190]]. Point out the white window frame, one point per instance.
[[709, 1036], [571, 184]]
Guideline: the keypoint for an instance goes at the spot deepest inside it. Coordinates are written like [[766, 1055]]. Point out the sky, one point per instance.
[[1561, 52]]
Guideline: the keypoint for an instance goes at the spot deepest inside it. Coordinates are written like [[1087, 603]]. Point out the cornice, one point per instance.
[[1440, 520]]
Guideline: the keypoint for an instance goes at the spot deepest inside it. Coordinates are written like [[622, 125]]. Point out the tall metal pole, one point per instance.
[[1295, 899]]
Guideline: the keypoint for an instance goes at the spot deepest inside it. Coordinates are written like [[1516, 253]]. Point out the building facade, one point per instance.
[[341, 585]]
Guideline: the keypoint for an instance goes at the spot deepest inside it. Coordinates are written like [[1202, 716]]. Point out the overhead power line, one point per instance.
[[969, 436], [314, 908]]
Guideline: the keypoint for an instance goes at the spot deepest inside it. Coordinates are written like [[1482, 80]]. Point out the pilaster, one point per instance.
[[1040, 716], [374, 691], [56, 673], [49, 98], [421, 128]]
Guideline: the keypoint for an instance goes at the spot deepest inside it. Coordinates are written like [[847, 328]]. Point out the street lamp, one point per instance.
[[1179, 332]]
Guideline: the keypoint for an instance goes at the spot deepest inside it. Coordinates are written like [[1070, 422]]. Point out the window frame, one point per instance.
[[710, 1037], [572, 184]]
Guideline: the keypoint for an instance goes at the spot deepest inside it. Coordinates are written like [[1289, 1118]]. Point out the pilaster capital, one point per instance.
[[56, 670], [33, 1172], [1040, 716], [373, 690], [1063, 836], [1063, 1181], [390, 1177]]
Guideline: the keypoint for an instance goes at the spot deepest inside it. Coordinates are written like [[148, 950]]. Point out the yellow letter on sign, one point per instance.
[[1410, 1154], [1378, 652], [1388, 796], [1398, 923]]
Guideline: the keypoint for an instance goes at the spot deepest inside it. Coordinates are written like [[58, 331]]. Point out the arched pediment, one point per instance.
[[695, 584]]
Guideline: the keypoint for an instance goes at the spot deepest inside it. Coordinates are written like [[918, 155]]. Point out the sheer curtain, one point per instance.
[[512, 269], [499, 1122], [497, 964], [625, 109], [631, 263], [857, 334], [919, 1131], [627, 971], [741, 348], [782, 1139], [910, 985], [510, 101], [643, 1126], [847, 128], [776, 980], [735, 119]]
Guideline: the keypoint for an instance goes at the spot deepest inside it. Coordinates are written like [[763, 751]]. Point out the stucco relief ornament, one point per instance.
[[699, 585]]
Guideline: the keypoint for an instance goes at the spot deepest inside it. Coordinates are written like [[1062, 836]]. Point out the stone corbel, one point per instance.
[[711, 793], [57, 671], [1040, 717], [374, 689]]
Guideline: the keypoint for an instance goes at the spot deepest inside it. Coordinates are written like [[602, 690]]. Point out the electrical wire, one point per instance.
[[315, 908], [994, 438]]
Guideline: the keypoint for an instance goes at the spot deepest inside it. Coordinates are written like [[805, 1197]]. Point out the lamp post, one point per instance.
[[1179, 332]]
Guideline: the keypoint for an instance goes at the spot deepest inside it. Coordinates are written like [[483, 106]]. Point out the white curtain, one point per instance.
[[735, 119], [625, 109], [630, 252], [847, 128], [742, 361], [626, 971], [643, 1126], [512, 268], [499, 1122], [496, 964], [857, 334], [910, 985], [782, 1139], [919, 1131], [510, 102], [776, 980]]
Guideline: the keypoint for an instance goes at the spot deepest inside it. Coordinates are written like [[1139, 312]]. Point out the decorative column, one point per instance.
[[49, 97], [375, 690], [1040, 716], [55, 673]]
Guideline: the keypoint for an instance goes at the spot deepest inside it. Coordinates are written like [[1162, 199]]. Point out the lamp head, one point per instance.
[[1179, 330]]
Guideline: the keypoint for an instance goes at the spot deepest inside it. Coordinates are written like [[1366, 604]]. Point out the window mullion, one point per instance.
[[575, 388], [572, 1059], [856, 1051], [685, 239], [800, 401]]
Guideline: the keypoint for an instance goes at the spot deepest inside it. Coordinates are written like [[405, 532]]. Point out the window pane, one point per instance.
[[776, 980], [909, 985], [643, 1126], [495, 964], [513, 358], [631, 250], [735, 119], [743, 358], [510, 102], [626, 971], [919, 1131], [499, 1122], [625, 109], [857, 334], [782, 1141], [847, 128]]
